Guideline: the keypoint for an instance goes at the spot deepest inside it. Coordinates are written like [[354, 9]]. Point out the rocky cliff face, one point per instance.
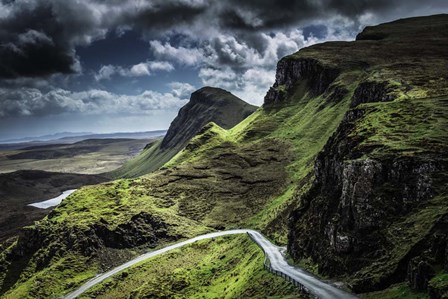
[[317, 76], [377, 210], [206, 105]]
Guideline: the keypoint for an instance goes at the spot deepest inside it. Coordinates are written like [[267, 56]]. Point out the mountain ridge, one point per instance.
[[208, 104], [344, 163]]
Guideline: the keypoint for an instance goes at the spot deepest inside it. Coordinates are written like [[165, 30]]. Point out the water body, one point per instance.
[[52, 201]]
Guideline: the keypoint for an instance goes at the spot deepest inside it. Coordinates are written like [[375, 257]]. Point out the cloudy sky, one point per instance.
[[129, 65]]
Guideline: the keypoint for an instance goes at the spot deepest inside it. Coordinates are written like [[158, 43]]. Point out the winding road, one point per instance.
[[277, 262]]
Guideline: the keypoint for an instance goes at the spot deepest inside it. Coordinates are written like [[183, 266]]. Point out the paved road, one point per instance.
[[273, 253], [278, 262]]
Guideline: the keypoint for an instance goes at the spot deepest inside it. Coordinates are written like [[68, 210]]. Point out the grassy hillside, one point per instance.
[[341, 119], [245, 176], [206, 105], [376, 215], [226, 267]]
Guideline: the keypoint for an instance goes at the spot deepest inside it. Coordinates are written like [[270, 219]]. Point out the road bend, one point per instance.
[[277, 261]]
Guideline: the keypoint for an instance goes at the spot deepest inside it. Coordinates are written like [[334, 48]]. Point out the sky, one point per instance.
[[129, 65]]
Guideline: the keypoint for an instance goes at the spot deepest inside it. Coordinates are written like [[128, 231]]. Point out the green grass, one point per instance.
[[64, 273], [439, 284], [210, 137], [150, 159], [250, 175], [225, 267], [253, 175], [117, 202], [408, 127]]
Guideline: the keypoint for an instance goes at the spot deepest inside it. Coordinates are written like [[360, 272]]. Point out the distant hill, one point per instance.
[[206, 105], [27, 142], [70, 137]]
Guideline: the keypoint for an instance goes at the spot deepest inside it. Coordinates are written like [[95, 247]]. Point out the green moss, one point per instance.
[[63, 274], [210, 137], [439, 284], [150, 159], [117, 202], [402, 236], [225, 267], [439, 281], [407, 127]]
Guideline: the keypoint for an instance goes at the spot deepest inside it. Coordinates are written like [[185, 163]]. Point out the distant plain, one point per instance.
[[92, 156]]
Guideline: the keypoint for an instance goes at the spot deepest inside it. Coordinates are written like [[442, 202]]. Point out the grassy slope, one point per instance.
[[181, 193], [201, 183], [413, 125], [181, 201], [150, 159], [226, 267], [206, 105]]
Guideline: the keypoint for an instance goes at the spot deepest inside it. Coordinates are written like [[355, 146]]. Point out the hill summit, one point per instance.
[[208, 104]]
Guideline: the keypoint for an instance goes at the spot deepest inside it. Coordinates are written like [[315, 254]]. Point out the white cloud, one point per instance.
[[32, 101], [181, 55], [160, 66], [105, 72], [137, 70], [181, 90]]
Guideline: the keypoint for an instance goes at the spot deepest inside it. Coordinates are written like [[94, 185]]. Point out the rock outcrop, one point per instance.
[[289, 71], [206, 105], [377, 209]]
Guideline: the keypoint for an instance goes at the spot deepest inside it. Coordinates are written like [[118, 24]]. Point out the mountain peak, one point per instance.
[[208, 104]]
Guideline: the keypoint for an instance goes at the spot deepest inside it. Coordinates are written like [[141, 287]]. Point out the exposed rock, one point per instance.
[[289, 72], [368, 92], [419, 273], [377, 209], [142, 229], [206, 105], [352, 199]]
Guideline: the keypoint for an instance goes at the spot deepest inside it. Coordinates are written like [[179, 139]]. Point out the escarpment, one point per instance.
[[377, 210], [289, 71], [346, 162]]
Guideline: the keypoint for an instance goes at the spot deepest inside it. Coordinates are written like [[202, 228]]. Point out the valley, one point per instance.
[[345, 165], [90, 156]]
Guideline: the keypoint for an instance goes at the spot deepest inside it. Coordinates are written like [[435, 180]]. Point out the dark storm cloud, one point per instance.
[[38, 38], [26, 49], [162, 15]]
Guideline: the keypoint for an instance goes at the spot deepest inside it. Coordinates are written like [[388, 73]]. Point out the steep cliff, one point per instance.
[[377, 212], [345, 161], [207, 104]]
